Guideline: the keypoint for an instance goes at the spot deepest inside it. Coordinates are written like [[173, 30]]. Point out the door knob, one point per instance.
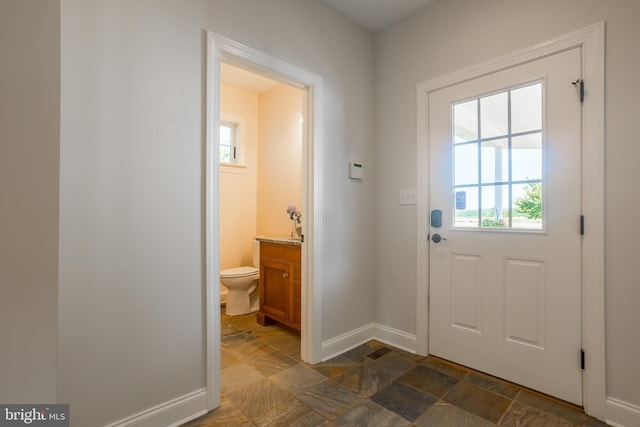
[[436, 238]]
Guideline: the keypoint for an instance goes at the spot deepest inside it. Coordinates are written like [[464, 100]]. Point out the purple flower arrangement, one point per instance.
[[294, 213]]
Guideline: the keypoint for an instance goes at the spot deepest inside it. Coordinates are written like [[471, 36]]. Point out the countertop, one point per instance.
[[282, 240]]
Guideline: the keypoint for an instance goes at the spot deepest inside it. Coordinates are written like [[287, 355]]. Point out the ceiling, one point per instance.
[[243, 79], [374, 15]]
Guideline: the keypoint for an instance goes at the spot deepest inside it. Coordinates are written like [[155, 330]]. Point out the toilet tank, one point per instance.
[[256, 253]]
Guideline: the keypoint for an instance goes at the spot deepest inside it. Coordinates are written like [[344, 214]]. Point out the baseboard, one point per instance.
[[396, 338], [622, 414], [356, 337], [171, 414], [347, 341]]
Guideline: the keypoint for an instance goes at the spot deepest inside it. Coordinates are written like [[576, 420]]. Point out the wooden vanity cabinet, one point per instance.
[[280, 284]]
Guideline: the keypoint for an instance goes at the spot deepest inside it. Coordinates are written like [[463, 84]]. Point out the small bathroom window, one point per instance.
[[228, 143]]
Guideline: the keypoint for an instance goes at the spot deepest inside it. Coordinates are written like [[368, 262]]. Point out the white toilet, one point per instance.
[[242, 282]]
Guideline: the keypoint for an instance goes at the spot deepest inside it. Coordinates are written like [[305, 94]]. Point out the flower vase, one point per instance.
[[295, 231]]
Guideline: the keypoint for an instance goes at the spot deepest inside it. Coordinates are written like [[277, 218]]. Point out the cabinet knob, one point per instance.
[[285, 275]]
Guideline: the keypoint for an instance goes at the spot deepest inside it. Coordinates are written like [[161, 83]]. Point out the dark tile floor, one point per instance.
[[264, 383]]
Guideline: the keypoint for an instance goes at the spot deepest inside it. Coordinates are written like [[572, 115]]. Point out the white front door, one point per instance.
[[505, 172]]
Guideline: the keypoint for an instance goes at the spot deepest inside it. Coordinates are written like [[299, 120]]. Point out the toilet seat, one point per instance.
[[239, 272]]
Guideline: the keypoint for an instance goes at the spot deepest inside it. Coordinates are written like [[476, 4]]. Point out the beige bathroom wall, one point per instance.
[[279, 158], [238, 183]]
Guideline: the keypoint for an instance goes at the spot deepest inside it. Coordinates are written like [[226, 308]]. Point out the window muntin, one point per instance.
[[228, 143], [497, 160]]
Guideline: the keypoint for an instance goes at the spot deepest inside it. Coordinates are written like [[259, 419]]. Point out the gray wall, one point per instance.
[[29, 168], [452, 34], [123, 121], [131, 332]]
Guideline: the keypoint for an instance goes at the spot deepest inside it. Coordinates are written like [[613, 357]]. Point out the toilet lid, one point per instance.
[[239, 272]]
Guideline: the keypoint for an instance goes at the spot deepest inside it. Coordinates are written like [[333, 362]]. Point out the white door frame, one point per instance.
[[591, 39], [220, 48]]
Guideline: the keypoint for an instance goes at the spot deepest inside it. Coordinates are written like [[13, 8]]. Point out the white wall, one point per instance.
[[29, 167], [280, 159], [238, 185], [452, 34], [131, 331]]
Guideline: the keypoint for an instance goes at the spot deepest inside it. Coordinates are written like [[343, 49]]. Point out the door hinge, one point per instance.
[[580, 85], [582, 359], [582, 225]]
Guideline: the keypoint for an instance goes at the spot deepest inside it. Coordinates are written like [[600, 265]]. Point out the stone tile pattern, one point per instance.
[[265, 383]]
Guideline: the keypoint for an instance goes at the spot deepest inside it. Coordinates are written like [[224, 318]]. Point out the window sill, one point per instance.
[[232, 168]]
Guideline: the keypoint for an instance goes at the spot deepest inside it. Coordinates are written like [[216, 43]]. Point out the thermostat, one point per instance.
[[356, 170]]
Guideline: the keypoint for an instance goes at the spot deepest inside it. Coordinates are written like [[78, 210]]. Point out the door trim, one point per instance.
[[592, 41], [221, 48]]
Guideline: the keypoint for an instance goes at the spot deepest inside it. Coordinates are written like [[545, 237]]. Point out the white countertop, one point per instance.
[[279, 239]]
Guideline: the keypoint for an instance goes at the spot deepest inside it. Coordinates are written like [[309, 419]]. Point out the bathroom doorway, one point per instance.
[[220, 53], [260, 178]]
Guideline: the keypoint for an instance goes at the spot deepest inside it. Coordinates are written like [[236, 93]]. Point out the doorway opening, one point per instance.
[[221, 53], [260, 166], [260, 191]]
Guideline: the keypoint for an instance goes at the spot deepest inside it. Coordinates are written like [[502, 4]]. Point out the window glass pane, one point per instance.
[[526, 154], [495, 161], [466, 207], [225, 154], [226, 143], [508, 191], [494, 115], [526, 108], [495, 206], [225, 135], [527, 206], [466, 164], [465, 119]]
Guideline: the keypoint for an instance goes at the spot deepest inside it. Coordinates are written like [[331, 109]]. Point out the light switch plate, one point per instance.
[[356, 170], [408, 197]]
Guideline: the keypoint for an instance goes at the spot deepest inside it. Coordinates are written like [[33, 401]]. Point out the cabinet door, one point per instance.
[[297, 296], [276, 289]]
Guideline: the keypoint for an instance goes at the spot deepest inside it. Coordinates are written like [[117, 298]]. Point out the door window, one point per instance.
[[497, 159]]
